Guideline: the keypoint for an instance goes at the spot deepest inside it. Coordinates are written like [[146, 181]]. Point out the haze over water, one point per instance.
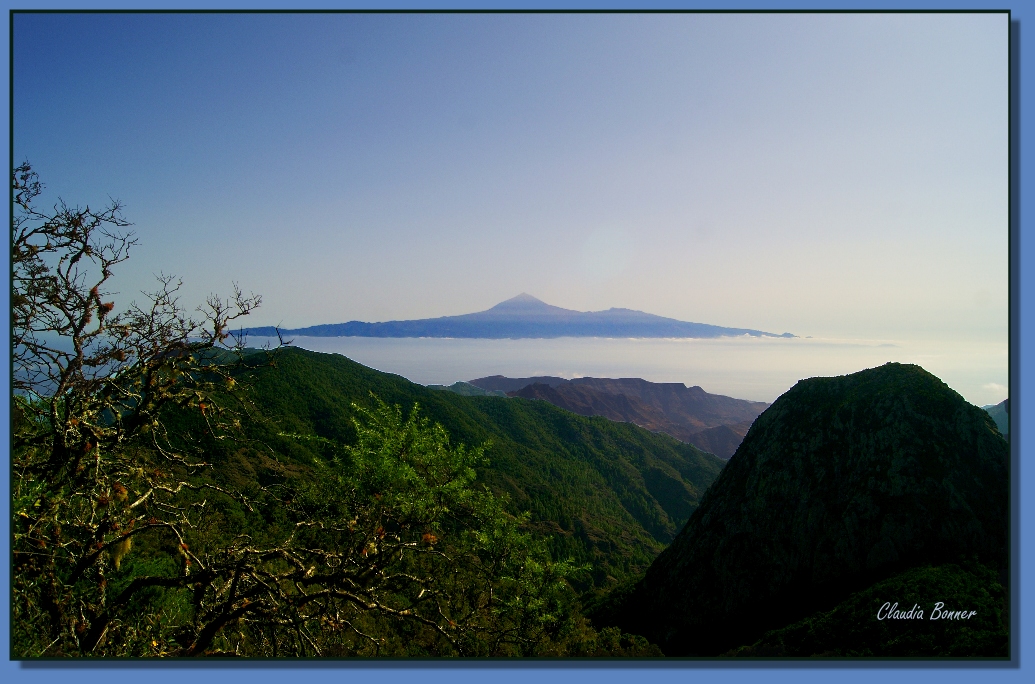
[[759, 369], [844, 175]]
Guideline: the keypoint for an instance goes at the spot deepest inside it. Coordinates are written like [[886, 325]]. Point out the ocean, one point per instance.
[[759, 369]]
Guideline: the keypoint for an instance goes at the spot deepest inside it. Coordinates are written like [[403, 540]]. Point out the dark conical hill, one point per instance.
[[841, 483]]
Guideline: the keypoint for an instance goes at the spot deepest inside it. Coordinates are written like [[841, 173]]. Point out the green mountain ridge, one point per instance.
[[842, 483], [468, 390], [606, 493], [881, 486], [687, 413]]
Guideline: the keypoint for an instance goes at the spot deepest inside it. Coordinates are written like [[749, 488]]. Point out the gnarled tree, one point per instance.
[[127, 542], [93, 467]]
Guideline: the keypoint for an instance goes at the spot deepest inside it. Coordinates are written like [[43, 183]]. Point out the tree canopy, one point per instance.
[[129, 541]]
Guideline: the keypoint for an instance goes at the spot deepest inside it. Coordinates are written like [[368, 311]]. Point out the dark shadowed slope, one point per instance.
[[524, 316], [851, 629], [841, 483], [1001, 415], [722, 440]]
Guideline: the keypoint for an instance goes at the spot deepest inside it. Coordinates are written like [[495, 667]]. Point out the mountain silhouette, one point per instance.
[[842, 483], [522, 316]]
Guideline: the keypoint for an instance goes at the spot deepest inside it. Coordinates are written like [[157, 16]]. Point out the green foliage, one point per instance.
[[386, 547], [397, 553], [841, 483], [466, 389], [601, 493], [156, 512], [95, 473]]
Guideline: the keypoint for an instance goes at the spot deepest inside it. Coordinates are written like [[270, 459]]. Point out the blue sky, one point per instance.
[[830, 175]]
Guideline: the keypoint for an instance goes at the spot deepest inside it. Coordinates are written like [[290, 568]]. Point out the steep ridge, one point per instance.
[[604, 493], [1001, 415], [722, 440], [589, 402], [689, 405], [467, 389], [711, 422], [842, 483], [504, 384]]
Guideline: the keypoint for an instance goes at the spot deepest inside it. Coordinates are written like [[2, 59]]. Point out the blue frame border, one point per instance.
[[1022, 292]]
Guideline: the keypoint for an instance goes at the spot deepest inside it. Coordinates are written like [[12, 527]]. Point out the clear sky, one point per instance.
[[827, 175]]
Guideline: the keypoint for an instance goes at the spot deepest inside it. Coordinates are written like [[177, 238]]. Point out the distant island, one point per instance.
[[523, 316]]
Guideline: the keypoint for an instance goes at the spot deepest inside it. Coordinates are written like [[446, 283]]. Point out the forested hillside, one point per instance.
[[842, 484], [610, 494], [176, 494], [711, 422]]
